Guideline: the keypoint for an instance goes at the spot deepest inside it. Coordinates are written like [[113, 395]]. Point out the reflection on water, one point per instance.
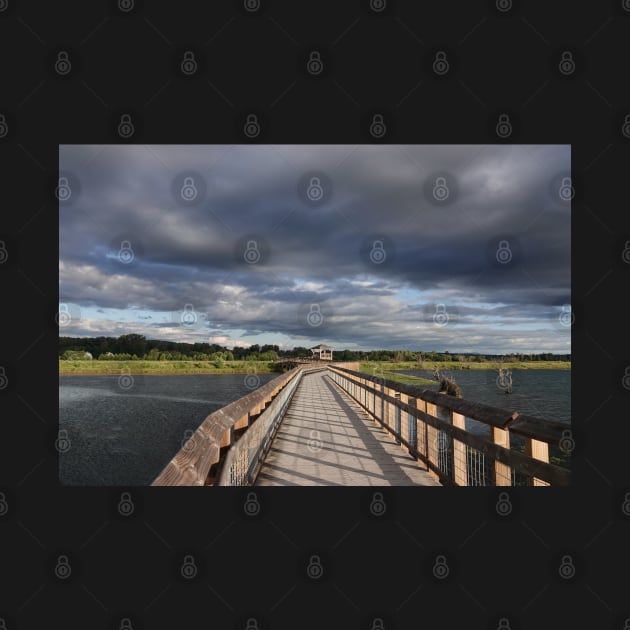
[[125, 435]]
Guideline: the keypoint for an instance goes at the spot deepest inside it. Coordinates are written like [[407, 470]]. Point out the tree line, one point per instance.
[[138, 347]]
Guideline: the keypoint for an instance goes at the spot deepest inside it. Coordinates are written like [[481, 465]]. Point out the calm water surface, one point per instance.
[[124, 436], [542, 393]]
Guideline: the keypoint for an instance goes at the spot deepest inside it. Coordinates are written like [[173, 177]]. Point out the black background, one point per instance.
[[255, 62]]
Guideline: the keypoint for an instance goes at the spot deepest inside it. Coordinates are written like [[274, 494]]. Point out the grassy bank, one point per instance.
[[261, 367], [398, 377], [164, 367], [369, 366]]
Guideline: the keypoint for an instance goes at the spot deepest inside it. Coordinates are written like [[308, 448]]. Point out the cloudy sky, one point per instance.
[[458, 248]]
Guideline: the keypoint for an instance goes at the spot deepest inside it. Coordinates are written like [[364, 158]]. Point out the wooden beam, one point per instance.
[[460, 461]]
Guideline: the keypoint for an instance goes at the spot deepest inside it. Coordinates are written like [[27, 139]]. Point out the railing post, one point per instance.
[[537, 450], [397, 412], [421, 429], [412, 426], [432, 440], [403, 426], [502, 472], [386, 407], [460, 461]]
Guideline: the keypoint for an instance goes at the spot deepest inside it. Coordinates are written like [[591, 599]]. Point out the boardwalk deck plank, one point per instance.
[[326, 439]]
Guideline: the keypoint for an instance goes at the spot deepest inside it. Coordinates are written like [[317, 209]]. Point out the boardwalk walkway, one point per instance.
[[327, 439]]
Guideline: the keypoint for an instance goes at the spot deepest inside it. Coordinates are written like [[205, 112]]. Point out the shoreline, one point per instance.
[[370, 368]]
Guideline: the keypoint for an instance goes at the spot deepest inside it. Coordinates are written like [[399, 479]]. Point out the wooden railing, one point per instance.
[[245, 458], [200, 459], [452, 454]]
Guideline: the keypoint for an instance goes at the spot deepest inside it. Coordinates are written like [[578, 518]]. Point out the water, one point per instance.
[[125, 435], [542, 393]]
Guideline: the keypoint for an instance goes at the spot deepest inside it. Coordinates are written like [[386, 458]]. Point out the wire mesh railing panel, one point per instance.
[[479, 468]]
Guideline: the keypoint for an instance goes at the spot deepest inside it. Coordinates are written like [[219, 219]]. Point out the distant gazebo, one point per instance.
[[322, 352]]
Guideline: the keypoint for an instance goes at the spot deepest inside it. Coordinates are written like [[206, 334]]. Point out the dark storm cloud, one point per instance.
[[445, 252]]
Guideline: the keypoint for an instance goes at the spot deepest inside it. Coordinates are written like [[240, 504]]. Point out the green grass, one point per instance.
[[262, 367], [368, 366], [399, 378], [164, 367]]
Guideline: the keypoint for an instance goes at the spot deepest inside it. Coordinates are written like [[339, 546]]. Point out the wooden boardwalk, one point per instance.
[[327, 439]]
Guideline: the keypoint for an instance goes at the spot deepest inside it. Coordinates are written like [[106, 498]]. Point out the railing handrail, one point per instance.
[[549, 431], [244, 459], [191, 464], [534, 463]]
